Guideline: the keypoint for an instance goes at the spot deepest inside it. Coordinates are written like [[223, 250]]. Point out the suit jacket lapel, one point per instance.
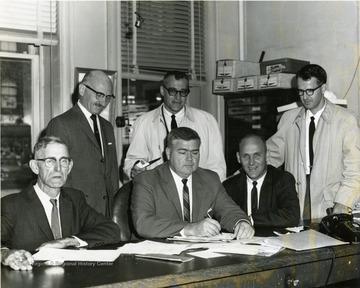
[[66, 218], [84, 124], [241, 186], [37, 210], [265, 192], [171, 190]]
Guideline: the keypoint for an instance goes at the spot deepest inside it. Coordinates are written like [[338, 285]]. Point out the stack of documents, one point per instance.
[[222, 237]]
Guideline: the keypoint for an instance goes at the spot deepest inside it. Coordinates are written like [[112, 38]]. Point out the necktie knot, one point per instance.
[[254, 183], [53, 202], [93, 117], [184, 181], [312, 118]]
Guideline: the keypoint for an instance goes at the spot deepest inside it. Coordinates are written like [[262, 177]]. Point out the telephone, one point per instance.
[[341, 227]]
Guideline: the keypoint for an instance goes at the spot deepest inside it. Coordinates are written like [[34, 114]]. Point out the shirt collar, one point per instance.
[[42, 195], [259, 181]]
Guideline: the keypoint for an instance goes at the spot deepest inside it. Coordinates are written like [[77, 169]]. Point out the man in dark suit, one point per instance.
[[47, 215], [265, 193], [91, 142], [178, 198]]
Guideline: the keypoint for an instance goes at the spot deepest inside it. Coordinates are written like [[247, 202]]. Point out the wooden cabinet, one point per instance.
[[252, 111]]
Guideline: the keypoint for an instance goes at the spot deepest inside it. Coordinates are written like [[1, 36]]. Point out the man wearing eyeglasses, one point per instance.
[[319, 144], [151, 129], [46, 215], [91, 142]]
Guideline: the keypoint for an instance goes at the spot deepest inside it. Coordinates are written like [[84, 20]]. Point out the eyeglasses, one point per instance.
[[100, 95], [50, 162], [173, 91], [308, 92]]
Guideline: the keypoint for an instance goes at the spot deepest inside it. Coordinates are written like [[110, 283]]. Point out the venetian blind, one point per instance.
[[164, 41], [29, 19]]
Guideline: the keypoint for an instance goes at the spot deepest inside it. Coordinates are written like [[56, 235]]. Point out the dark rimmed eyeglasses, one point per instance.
[[173, 91], [100, 95], [50, 162], [308, 92]]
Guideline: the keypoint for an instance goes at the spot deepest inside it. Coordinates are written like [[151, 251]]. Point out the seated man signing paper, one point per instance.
[[176, 197], [47, 215]]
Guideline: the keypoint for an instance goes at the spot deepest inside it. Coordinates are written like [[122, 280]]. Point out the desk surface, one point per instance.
[[310, 267]]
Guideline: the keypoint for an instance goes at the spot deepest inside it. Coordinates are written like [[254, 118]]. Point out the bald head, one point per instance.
[[252, 156], [95, 83]]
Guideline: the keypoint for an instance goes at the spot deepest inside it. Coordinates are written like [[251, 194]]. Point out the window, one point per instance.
[[171, 37], [28, 21]]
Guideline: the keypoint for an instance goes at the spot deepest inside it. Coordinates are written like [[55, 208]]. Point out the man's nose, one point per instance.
[[57, 166]]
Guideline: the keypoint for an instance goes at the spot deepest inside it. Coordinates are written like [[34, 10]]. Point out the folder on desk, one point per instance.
[[304, 240], [173, 258]]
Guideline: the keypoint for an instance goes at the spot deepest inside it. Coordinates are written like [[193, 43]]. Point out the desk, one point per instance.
[[310, 267]]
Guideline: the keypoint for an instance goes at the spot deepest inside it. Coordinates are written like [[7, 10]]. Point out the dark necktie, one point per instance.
[[254, 198], [186, 201], [96, 129], [55, 223], [311, 137], [173, 122]]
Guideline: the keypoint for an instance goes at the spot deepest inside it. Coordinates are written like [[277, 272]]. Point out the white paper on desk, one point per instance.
[[207, 254], [304, 240], [146, 247], [222, 237], [76, 255]]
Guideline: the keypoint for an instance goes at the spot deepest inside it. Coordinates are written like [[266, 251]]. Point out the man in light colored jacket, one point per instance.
[[151, 129], [333, 178]]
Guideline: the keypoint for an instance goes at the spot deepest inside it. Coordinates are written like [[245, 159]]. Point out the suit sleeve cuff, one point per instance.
[[81, 242]]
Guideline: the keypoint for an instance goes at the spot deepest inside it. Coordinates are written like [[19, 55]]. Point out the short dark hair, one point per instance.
[[182, 133], [45, 141], [253, 135], [178, 75], [312, 70]]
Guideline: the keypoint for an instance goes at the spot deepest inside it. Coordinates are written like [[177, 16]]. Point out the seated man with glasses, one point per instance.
[[49, 215], [319, 144], [151, 129], [91, 142]]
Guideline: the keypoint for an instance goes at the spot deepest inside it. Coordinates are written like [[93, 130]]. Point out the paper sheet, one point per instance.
[[304, 240], [55, 254], [153, 247]]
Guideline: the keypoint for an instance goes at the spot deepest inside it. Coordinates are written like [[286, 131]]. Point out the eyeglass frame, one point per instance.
[[46, 162], [177, 91], [308, 90], [100, 95]]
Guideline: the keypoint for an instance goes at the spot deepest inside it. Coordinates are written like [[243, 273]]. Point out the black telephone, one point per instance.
[[341, 227]]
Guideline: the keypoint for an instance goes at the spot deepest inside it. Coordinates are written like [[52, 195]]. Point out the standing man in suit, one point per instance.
[[47, 215], [91, 142], [151, 129], [266, 194], [178, 198], [319, 144]]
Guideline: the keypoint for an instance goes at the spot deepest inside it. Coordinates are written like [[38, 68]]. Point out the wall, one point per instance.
[[322, 32]]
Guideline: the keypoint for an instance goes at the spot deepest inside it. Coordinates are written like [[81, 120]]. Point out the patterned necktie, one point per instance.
[[186, 201], [254, 198], [311, 136], [173, 122], [96, 129], [55, 222]]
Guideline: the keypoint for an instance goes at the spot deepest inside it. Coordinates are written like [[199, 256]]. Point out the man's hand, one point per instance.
[[136, 170], [243, 230], [60, 243], [17, 259], [204, 228], [339, 208]]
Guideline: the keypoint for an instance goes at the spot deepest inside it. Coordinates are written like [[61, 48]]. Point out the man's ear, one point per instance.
[[238, 157], [267, 155], [34, 166], [71, 166], [81, 89], [162, 92], [167, 151], [323, 88]]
